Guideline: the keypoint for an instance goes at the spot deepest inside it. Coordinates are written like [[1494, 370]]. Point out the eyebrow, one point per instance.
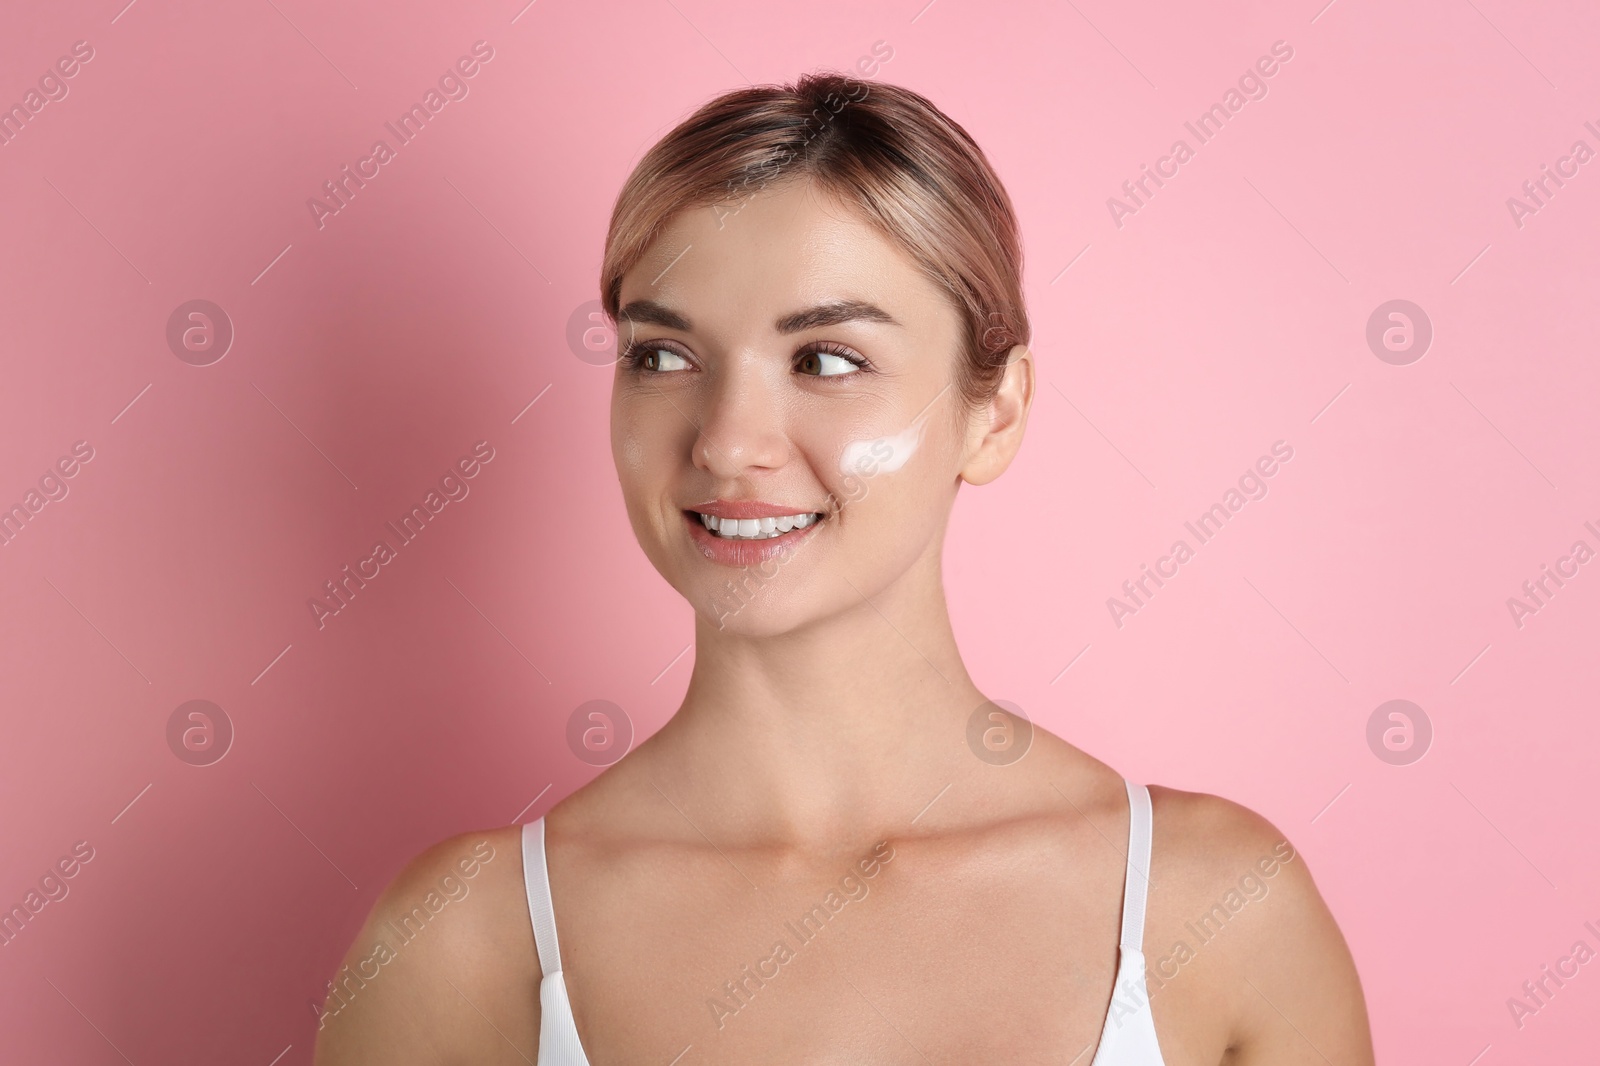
[[643, 312]]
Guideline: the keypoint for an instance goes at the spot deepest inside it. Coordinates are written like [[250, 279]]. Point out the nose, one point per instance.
[[741, 423]]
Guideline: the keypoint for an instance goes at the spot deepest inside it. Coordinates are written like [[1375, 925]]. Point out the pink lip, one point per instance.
[[742, 553]]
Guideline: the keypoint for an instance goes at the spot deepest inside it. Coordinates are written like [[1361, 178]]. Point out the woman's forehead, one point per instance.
[[782, 251]]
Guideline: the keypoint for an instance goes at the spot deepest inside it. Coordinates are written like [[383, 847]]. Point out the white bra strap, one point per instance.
[[1136, 881], [536, 878]]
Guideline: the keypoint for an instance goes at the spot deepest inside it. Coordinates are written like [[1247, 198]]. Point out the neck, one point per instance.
[[829, 730]]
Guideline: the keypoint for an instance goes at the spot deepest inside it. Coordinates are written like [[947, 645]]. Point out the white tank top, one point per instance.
[[1128, 1037]]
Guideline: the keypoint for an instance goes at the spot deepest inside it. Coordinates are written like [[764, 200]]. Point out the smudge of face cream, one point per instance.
[[883, 455]]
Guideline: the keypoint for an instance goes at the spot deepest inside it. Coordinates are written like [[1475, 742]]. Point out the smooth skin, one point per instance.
[[827, 716]]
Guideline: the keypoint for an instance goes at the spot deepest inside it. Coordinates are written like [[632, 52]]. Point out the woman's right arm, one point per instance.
[[444, 969]]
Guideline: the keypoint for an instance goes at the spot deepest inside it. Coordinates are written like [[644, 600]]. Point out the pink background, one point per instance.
[[1229, 312]]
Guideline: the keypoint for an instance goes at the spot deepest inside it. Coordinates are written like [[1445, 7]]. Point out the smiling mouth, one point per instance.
[[755, 528]]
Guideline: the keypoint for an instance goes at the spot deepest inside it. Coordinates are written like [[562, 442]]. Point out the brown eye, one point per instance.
[[826, 363], [652, 359], [663, 359]]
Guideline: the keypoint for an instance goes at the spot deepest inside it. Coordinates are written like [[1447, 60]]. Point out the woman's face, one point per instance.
[[780, 352]]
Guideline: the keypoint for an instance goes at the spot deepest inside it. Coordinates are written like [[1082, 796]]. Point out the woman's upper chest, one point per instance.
[[913, 950]]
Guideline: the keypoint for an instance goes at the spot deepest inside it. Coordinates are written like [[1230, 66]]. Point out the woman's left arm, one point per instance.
[[1299, 999]]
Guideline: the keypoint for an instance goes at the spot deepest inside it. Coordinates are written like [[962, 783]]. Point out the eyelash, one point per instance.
[[634, 354]]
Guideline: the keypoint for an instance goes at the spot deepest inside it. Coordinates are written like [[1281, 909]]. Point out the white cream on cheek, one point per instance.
[[883, 455]]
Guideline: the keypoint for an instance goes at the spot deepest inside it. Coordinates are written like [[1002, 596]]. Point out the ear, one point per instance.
[[995, 432]]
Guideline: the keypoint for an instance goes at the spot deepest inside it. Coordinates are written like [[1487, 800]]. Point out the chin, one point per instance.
[[754, 622], [750, 606]]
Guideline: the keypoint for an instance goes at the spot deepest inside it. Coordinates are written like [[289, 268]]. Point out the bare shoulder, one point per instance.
[[1212, 856], [1202, 833], [1233, 906], [443, 969]]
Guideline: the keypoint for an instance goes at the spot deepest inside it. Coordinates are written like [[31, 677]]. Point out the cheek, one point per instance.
[[630, 442], [865, 458], [630, 454], [888, 519]]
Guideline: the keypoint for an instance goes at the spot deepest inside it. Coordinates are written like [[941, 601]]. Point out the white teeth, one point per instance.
[[756, 528]]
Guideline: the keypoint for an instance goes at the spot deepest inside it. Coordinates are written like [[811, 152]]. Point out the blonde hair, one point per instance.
[[914, 173]]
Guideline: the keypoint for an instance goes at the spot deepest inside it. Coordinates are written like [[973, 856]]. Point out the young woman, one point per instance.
[[838, 850]]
